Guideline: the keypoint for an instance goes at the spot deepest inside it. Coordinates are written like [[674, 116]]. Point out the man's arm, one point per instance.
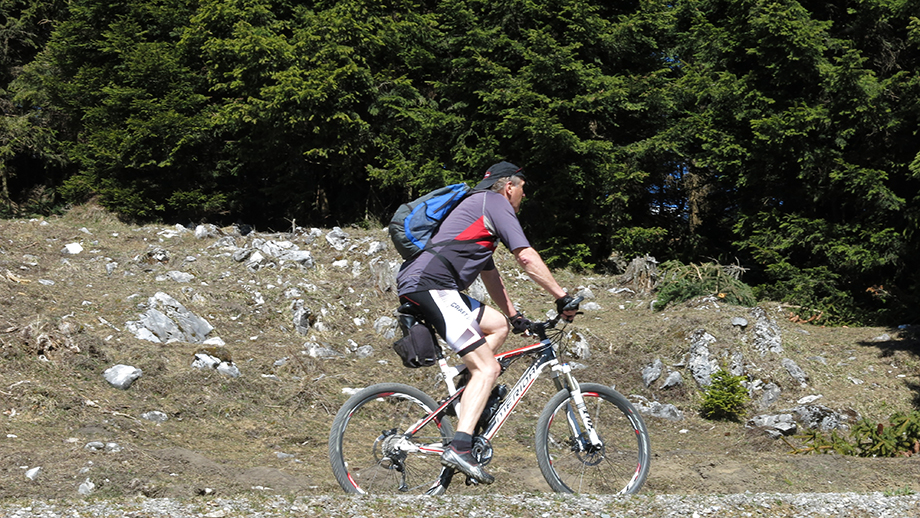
[[536, 269], [496, 288]]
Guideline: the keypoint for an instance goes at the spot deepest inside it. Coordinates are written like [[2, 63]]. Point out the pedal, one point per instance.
[[470, 481]]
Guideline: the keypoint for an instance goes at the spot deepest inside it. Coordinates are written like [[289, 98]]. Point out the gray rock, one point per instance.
[[122, 376], [739, 322], [284, 251], [155, 416], [32, 473], [241, 254], [771, 393], [652, 372], [700, 365], [205, 361], [178, 276], [228, 369], [767, 335], [365, 351], [819, 417], [86, 487], [376, 247], [795, 371], [585, 292], [301, 257], [578, 346], [256, 261], [302, 316], [315, 350], [386, 327], [155, 326], [337, 238], [193, 328], [384, 273], [478, 291], [674, 379], [159, 255], [72, 249], [775, 425], [665, 411], [292, 293], [657, 409], [207, 230], [807, 400], [113, 447]]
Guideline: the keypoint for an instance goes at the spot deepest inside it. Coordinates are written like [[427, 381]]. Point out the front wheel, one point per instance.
[[374, 448], [572, 464]]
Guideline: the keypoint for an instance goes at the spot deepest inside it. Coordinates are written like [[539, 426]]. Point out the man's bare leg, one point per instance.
[[484, 370]]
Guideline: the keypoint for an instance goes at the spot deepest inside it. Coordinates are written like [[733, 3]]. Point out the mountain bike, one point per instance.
[[388, 438]]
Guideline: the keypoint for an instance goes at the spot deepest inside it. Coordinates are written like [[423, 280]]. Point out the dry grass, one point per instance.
[[224, 434]]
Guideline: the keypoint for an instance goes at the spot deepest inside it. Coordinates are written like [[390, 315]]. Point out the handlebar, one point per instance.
[[539, 328]]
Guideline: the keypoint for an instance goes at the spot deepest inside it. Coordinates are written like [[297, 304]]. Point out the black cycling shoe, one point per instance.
[[466, 464]]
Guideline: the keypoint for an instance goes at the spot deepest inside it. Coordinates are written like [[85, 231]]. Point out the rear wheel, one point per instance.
[[371, 451], [568, 460]]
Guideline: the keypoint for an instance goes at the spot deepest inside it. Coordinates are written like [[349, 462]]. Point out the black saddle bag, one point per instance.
[[419, 346]]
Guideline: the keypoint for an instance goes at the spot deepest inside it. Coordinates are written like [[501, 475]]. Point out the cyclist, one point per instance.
[[433, 281]]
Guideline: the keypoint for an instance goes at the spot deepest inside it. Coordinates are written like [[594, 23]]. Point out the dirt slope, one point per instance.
[[63, 323]]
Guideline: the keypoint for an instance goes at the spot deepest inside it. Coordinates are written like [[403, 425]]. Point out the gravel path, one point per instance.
[[759, 505]]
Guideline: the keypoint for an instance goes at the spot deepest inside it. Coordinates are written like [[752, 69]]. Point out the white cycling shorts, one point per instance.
[[454, 315]]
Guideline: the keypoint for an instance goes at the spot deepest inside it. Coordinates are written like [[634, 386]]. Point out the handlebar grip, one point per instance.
[[574, 304]]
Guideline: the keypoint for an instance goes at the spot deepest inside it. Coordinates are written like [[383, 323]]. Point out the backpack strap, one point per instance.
[[429, 247]]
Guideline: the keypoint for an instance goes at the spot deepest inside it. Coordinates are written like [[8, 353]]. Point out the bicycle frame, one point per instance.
[[546, 356]]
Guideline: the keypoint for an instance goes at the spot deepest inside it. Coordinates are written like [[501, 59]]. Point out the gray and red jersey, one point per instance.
[[466, 240]]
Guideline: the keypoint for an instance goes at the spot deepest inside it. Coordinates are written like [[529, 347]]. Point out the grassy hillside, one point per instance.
[[63, 322]]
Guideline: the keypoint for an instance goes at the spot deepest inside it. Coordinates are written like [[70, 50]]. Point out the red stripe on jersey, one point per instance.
[[479, 233]]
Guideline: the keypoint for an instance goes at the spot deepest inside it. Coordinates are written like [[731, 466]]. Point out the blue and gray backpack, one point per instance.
[[416, 221]]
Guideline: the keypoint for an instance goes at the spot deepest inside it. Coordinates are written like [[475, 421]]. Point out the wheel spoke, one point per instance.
[[367, 460], [569, 461]]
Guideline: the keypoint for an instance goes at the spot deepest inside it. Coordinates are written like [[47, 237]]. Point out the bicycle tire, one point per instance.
[[369, 421], [620, 466]]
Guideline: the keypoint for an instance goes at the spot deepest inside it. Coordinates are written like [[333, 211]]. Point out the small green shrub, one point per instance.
[[900, 438], [816, 442], [680, 282], [725, 399]]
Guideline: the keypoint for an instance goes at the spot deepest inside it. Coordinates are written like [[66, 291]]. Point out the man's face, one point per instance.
[[515, 192]]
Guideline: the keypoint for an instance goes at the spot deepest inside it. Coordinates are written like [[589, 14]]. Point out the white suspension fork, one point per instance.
[[580, 412]]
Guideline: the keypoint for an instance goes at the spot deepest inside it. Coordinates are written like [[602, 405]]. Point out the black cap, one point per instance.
[[499, 170]]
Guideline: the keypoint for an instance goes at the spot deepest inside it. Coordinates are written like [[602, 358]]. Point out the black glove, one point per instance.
[[520, 324], [564, 304]]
